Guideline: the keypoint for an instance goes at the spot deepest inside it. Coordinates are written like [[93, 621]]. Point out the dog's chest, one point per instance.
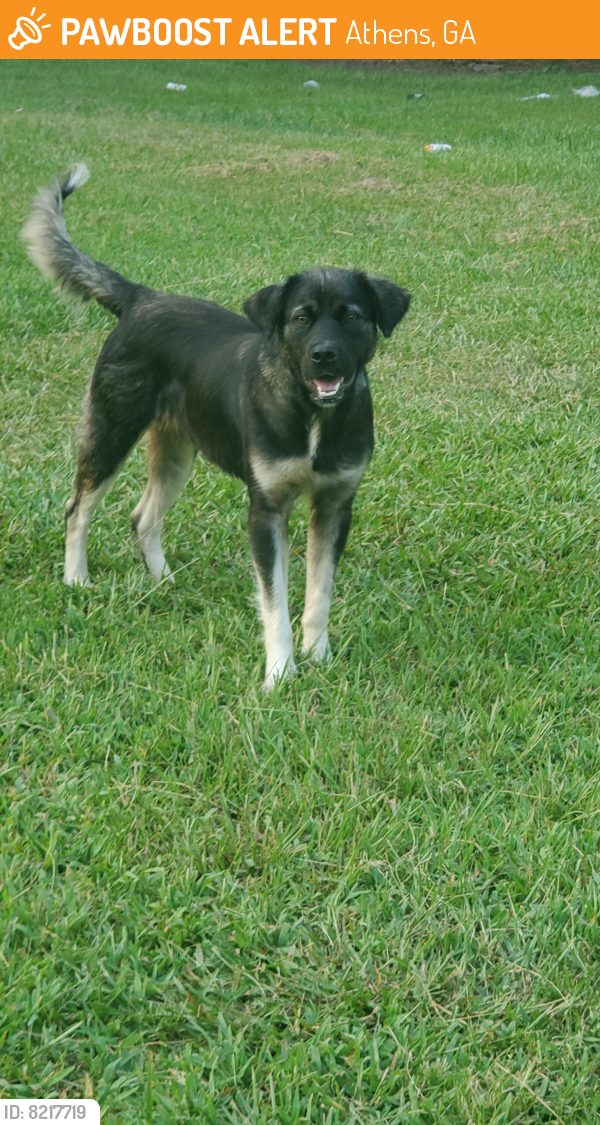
[[305, 475]]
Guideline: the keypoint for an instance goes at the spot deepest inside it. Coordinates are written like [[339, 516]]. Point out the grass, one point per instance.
[[374, 895]]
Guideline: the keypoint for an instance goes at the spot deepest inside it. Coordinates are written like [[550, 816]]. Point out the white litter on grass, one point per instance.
[[586, 91], [19, 110], [175, 86], [437, 148], [312, 85], [533, 97]]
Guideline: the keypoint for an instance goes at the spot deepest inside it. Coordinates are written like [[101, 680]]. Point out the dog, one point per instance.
[[278, 397]]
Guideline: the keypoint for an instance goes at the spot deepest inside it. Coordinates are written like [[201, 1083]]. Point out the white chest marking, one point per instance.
[[314, 437], [296, 476]]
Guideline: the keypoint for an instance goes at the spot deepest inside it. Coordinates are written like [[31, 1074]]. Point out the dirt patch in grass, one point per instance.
[[462, 66], [310, 158]]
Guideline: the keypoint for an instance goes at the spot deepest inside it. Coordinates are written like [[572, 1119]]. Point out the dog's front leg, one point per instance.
[[327, 533], [270, 552]]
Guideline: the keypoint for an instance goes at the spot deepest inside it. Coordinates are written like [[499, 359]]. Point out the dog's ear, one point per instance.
[[391, 302], [265, 308]]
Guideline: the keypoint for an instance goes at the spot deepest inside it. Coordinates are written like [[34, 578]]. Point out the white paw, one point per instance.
[[160, 575], [76, 579], [317, 648], [281, 670], [156, 564]]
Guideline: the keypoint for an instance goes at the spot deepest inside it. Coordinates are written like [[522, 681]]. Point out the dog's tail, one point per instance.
[[52, 251]]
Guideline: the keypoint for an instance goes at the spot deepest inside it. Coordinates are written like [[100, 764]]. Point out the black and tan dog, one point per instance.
[[279, 399]]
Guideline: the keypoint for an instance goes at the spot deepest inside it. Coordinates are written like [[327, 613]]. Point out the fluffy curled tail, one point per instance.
[[52, 251]]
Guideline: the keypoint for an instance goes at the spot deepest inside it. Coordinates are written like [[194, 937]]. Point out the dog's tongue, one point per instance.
[[327, 387]]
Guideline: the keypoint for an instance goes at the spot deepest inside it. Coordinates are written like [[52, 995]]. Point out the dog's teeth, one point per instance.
[[327, 390]]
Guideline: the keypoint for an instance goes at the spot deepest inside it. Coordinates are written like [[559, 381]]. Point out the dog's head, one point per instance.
[[326, 321]]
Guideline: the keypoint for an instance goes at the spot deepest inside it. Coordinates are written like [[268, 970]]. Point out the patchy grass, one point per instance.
[[373, 896]]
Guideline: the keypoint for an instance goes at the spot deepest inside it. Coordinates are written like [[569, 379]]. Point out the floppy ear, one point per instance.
[[391, 302], [264, 308]]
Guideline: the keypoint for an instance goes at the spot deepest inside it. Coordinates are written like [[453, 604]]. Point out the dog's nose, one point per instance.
[[323, 353]]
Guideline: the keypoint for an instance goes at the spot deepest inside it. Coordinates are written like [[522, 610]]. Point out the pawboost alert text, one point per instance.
[[285, 32]]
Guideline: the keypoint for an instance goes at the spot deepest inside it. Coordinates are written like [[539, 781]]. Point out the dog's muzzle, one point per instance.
[[325, 382]]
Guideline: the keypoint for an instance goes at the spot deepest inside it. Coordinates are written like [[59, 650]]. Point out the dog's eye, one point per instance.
[[351, 316], [302, 318]]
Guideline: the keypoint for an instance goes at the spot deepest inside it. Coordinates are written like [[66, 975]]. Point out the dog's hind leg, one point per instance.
[[78, 514], [327, 533], [109, 434], [170, 460]]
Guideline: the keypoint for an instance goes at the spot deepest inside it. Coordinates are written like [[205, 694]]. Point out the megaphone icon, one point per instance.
[[26, 32]]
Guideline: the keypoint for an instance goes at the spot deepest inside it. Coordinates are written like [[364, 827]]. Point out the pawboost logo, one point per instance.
[[27, 31]]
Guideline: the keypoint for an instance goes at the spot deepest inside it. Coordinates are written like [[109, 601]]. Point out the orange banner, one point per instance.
[[94, 29]]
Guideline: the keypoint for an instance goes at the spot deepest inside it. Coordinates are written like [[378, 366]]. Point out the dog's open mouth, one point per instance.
[[327, 388]]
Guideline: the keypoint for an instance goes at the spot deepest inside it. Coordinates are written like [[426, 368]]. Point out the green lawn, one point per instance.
[[374, 895]]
